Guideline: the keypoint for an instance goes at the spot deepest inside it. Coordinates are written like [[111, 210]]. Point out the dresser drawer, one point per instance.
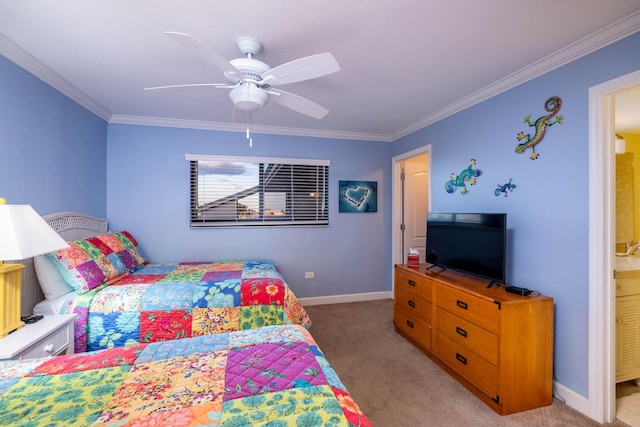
[[417, 307], [480, 341], [474, 309], [627, 286], [414, 283], [51, 345], [474, 368], [413, 326]]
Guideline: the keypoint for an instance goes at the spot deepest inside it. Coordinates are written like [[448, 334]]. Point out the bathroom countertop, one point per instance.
[[627, 266]]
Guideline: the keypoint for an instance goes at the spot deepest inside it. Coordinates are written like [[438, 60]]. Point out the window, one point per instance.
[[237, 191]]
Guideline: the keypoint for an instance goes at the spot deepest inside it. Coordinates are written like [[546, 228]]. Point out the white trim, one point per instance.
[[397, 257], [610, 34], [249, 159], [601, 400], [255, 129], [339, 299], [571, 398], [23, 59]]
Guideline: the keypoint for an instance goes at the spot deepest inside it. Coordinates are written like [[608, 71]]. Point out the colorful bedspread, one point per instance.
[[272, 376], [169, 301]]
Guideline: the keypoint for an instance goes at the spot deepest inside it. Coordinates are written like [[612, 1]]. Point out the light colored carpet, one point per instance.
[[628, 409], [396, 385]]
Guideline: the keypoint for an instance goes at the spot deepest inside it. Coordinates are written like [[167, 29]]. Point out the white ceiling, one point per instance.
[[404, 64]]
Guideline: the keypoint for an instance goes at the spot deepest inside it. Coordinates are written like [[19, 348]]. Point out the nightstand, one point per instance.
[[51, 336]]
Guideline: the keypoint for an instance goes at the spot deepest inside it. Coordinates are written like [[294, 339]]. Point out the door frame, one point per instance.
[[601, 402], [397, 257]]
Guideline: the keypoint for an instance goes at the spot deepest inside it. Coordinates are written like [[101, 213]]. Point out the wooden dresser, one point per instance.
[[497, 344]]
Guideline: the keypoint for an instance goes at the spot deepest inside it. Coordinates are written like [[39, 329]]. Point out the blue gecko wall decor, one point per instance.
[[552, 105], [503, 188], [469, 174]]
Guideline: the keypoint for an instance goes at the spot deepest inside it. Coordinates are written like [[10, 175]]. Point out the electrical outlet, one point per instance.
[[309, 275]]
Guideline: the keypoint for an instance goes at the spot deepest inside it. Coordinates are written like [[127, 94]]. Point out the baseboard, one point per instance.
[[338, 299], [572, 399]]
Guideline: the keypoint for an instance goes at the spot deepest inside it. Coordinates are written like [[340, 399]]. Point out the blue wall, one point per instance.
[[54, 158], [148, 194], [52, 150], [548, 212]]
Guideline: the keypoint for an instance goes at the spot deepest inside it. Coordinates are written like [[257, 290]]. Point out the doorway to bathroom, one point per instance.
[[602, 291]]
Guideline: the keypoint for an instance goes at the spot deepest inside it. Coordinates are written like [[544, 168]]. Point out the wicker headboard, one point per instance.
[[70, 226], [74, 226]]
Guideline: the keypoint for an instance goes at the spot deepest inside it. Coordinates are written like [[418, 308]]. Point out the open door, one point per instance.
[[411, 198], [415, 196]]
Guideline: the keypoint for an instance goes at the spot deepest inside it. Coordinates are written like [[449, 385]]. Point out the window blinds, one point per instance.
[[257, 191]]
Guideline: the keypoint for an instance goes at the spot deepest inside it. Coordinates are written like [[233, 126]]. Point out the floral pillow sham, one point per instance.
[[88, 263]]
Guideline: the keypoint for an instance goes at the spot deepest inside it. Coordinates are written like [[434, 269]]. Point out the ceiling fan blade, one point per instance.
[[298, 103], [307, 68], [206, 53], [215, 85]]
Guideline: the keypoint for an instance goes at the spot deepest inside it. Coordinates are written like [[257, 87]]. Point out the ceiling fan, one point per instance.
[[252, 82]]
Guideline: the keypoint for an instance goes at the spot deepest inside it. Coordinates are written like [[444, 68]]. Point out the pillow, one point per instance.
[[126, 247], [51, 281], [88, 263]]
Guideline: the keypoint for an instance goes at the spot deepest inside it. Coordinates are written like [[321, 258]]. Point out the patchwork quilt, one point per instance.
[[179, 300], [272, 376]]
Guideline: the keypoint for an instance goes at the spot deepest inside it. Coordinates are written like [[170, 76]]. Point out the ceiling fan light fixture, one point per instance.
[[248, 97], [252, 81]]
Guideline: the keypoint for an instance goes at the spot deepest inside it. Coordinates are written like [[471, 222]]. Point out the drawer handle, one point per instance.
[[410, 324], [461, 331], [461, 358], [48, 348], [461, 304], [411, 282], [411, 304]]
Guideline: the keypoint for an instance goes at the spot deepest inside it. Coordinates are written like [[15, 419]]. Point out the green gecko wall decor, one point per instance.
[[469, 174], [552, 105]]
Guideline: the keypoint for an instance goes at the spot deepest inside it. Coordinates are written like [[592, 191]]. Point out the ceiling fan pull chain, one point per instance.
[[249, 137]]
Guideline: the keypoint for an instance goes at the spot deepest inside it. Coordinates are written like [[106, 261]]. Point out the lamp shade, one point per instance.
[[24, 234]]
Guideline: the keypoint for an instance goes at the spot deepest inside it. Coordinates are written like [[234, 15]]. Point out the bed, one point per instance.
[[120, 299], [270, 376]]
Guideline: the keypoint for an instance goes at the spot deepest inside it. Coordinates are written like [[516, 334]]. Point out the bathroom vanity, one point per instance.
[[627, 277]]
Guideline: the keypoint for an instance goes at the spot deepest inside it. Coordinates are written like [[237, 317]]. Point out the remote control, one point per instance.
[[517, 290], [31, 319]]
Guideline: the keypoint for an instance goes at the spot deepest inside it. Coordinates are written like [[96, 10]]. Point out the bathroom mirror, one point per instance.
[[624, 201]]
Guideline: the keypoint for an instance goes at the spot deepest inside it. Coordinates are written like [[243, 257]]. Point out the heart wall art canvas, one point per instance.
[[358, 196]]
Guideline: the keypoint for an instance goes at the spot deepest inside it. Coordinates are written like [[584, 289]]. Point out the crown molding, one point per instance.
[[236, 127], [23, 59], [606, 36], [610, 34]]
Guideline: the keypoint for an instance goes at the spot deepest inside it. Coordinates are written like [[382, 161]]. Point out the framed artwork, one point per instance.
[[358, 196]]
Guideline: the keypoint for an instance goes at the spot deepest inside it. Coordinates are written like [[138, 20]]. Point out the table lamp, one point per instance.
[[23, 234]]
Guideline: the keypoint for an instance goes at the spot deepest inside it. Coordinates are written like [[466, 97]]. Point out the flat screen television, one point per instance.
[[473, 243]]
